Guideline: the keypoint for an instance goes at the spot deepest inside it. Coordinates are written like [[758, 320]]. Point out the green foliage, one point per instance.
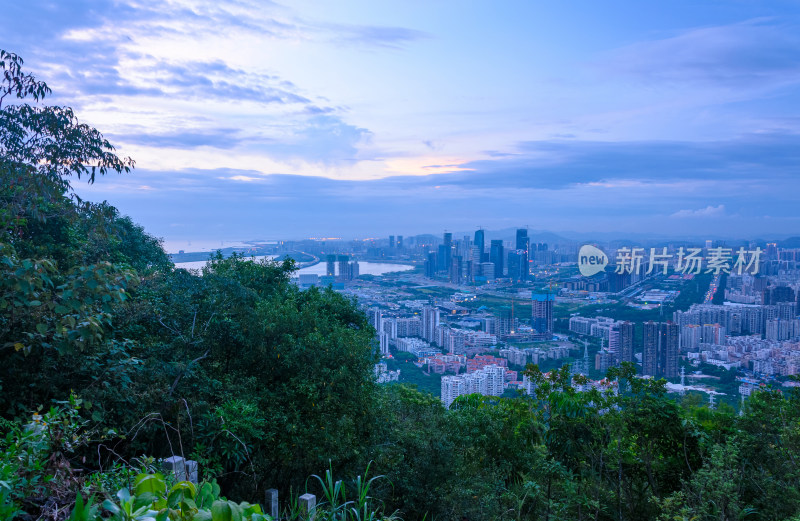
[[335, 506], [66, 266], [34, 458]]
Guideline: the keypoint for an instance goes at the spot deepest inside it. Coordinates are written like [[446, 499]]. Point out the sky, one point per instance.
[[267, 120]]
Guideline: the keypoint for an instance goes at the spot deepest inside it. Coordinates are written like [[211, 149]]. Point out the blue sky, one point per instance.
[[360, 118]]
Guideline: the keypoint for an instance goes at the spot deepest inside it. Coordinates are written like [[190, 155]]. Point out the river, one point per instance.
[[364, 268]]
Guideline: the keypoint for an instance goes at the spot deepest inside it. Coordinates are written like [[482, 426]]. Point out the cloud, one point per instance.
[[223, 138], [433, 145], [655, 188], [708, 211], [216, 80], [743, 54], [243, 178], [97, 64], [380, 36], [322, 139], [563, 164]]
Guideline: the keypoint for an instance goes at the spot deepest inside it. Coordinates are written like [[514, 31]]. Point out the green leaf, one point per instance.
[[124, 495], [221, 511], [111, 507], [153, 483]]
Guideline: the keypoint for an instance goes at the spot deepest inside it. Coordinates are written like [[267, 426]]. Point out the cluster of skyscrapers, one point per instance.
[[348, 270], [469, 260], [660, 344]]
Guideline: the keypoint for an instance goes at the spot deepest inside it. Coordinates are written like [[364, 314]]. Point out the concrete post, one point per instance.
[[271, 503], [308, 506], [175, 465], [191, 471], [184, 470]]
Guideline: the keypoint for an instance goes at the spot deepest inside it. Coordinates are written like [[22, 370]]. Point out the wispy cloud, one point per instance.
[[381, 36], [223, 138], [708, 211], [742, 54]]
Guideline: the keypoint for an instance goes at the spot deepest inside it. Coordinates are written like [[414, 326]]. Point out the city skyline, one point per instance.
[[255, 118]]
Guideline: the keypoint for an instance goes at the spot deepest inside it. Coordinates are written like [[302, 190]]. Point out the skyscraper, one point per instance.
[[660, 350], [517, 265], [441, 259], [542, 312], [345, 269], [475, 258], [430, 321], [481, 244], [399, 242], [331, 266], [431, 265], [391, 242], [523, 244], [376, 319], [496, 257], [448, 250], [774, 294], [456, 270], [625, 346]]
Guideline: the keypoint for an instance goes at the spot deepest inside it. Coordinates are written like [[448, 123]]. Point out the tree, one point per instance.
[[59, 276]]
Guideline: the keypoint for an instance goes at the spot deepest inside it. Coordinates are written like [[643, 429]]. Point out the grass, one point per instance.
[[432, 291]]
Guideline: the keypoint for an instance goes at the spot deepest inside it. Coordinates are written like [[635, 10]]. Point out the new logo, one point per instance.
[[591, 260]]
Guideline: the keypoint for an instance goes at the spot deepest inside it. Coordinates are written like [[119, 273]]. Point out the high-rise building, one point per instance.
[[442, 259], [504, 324], [624, 352], [786, 310], [474, 263], [389, 327], [713, 334], [618, 281], [431, 265], [330, 270], [603, 360], [430, 321], [376, 319], [480, 242], [464, 247], [391, 242], [691, 336], [523, 245], [456, 270], [383, 342], [452, 388], [517, 266], [344, 268], [447, 250], [660, 350], [487, 381], [775, 294], [399, 242], [542, 312], [496, 257]]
